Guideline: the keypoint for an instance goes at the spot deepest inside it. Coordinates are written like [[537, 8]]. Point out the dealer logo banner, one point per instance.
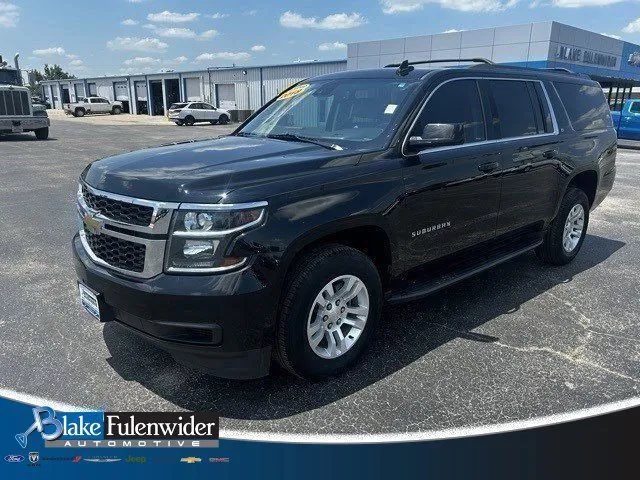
[[123, 429]]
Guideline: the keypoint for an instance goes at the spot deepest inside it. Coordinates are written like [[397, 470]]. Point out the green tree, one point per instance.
[[35, 77], [55, 72]]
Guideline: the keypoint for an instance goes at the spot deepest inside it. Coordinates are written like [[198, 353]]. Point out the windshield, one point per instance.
[[346, 113]]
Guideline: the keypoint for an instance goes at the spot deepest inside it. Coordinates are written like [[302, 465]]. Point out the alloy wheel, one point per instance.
[[338, 316], [573, 228]]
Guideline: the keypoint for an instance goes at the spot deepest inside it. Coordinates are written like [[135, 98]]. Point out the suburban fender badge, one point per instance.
[[92, 224], [430, 229]]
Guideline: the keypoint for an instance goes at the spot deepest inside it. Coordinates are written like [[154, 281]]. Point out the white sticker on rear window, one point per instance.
[[390, 109]]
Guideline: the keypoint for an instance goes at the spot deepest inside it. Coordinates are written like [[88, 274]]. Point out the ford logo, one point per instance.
[[14, 458]]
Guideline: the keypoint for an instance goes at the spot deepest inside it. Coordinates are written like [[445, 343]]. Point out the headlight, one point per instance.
[[201, 234]]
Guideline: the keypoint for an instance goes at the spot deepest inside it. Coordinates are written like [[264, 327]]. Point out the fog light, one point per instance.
[[194, 248]]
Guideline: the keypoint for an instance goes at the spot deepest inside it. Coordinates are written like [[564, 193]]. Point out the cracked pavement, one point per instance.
[[519, 341]]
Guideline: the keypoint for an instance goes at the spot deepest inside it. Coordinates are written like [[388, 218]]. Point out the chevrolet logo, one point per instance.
[[190, 460], [92, 224]]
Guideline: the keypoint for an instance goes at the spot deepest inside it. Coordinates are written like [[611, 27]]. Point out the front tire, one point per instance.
[[79, 112], [565, 234], [42, 133], [330, 309], [116, 111], [223, 120]]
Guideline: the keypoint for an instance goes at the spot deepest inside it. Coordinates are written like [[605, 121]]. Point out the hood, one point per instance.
[[206, 171]]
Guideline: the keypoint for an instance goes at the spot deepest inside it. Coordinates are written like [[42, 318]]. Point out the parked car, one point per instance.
[[88, 105], [346, 191], [190, 113], [18, 114], [627, 121], [40, 101]]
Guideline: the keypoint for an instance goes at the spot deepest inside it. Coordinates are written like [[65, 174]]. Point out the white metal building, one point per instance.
[[238, 89]]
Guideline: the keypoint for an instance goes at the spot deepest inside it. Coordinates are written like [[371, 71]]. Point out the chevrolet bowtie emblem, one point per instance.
[[92, 224], [190, 459]]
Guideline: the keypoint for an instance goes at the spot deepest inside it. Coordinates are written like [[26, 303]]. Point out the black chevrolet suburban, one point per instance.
[[285, 238]]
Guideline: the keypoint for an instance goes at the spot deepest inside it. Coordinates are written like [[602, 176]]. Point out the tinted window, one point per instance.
[[635, 107], [514, 114], [585, 105], [177, 105], [356, 113], [455, 102]]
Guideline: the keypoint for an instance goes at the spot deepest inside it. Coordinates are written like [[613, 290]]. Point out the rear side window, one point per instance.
[[455, 102], [585, 105], [514, 114], [635, 107]]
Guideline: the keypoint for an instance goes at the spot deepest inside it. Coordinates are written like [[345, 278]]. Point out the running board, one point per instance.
[[422, 289]]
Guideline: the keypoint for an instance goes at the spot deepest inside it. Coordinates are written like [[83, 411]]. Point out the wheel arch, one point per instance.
[[365, 234], [587, 181]]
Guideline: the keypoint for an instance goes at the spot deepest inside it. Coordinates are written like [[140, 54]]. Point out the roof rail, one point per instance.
[[443, 60], [560, 69]]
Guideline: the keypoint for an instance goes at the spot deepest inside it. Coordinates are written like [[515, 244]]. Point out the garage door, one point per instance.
[[79, 90], [141, 91], [227, 96], [122, 91], [192, 88]]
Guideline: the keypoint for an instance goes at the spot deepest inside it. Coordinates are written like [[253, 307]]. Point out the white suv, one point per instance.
[[192, 112]]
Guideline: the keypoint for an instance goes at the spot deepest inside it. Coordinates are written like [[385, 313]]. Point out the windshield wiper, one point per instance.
[[290, 137]]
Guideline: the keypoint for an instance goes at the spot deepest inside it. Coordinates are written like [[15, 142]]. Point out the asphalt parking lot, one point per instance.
[[519, 341]]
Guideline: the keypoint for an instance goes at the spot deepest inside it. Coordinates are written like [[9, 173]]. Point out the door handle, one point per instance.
[[488, 167]]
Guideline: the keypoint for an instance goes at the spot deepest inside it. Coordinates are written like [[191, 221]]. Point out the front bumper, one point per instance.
[[28, 124], [221, 324]]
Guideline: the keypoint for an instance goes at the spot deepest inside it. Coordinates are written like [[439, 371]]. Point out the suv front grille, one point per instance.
[[124, 212], [117, 252]]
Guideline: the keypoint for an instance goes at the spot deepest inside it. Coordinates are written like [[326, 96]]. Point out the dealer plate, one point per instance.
[[89, 300]]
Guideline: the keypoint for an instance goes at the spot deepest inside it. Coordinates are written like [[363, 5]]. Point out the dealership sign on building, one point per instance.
[[589, 57]]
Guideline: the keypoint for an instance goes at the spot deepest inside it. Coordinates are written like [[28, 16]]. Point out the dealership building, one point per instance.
[[238, 89], [612, 62]]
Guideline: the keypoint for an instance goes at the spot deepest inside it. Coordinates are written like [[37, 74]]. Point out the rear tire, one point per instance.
[[223, 120], [565, 234], [303, 315], [189, 120], [42, 133]]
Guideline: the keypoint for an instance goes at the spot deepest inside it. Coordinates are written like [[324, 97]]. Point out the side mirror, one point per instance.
[[438, 135]]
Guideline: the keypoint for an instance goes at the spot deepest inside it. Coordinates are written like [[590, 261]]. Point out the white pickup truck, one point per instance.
[[18, 115], [92, 105]]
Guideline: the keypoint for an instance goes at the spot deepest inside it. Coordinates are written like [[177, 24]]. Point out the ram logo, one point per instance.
[[430, 229]]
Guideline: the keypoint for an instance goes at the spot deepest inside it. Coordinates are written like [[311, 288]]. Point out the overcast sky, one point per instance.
[[136, 36]]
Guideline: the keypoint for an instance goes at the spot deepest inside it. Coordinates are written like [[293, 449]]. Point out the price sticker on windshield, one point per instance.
[[294, 92]]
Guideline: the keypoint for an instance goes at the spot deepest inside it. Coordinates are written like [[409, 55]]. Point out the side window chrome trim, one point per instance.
[[555, 132]]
